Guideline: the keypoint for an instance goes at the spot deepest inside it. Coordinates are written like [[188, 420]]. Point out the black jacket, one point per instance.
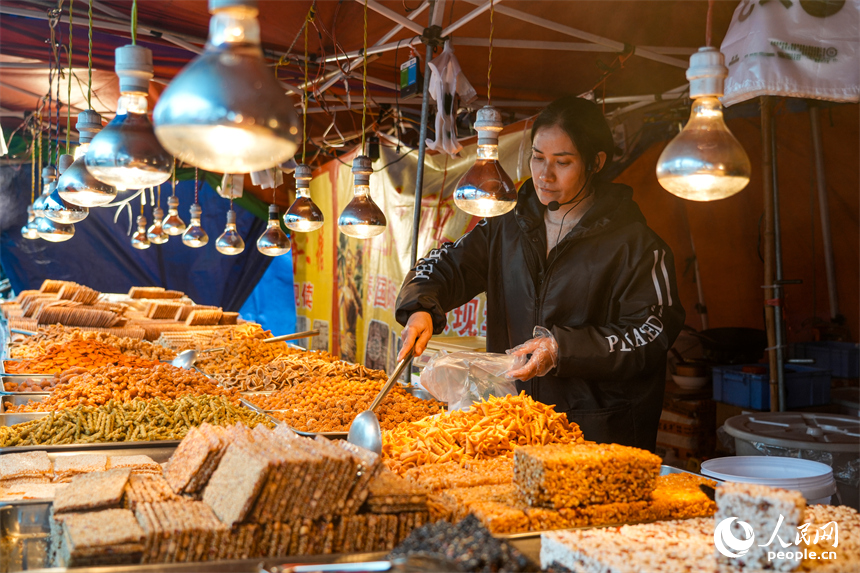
[[607, 292]]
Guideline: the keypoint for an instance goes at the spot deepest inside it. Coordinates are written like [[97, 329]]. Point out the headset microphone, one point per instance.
[[555, 205]]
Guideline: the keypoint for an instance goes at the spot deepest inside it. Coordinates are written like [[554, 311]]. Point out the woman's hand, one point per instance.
[[544, 350], [419, 329]]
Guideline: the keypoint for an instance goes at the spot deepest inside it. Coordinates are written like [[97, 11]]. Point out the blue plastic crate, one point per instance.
[[804, 386], [841, 358]]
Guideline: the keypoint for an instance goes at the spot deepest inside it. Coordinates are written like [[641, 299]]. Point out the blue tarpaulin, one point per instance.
[[100, 254], [272, 303]]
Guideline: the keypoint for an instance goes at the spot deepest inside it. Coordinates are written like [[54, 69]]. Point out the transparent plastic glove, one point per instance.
[[544, 350]]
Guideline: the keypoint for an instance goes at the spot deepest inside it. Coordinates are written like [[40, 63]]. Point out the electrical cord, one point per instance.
[[69, 97]]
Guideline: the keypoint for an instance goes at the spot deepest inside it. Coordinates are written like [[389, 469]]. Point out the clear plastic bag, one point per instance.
[[463, 378]]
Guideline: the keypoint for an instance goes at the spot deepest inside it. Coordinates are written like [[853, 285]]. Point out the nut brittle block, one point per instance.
[[572, 475]]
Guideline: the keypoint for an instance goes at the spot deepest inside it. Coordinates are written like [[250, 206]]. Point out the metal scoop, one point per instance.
[[294, 336], [187, 358], [365, 431], [21, 331]]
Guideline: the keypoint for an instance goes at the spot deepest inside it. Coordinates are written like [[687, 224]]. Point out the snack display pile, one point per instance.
[[135, 461]]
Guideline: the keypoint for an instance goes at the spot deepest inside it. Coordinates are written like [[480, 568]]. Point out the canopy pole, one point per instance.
[[431, 38], [779, 279], [768, 248], [824, 209]]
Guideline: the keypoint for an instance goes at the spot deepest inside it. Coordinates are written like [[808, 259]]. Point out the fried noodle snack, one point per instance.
[[100, 386], [487, 430], [331, 403]]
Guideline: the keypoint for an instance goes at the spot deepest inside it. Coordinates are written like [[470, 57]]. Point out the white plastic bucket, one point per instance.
[[813, 479]]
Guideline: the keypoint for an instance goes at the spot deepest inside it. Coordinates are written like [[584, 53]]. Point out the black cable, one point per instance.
[[574, 206]]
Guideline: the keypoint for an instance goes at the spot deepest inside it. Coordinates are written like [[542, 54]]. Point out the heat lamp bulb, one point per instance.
[[230, 242], [704, 162], [54, 232], [139, 240], [49, 183], [486, 190], [30, 230], [273, 242], [361, 218], [303, 216], [226, 111], [76, 184], [173, 225], [156, 233], [194, 236]]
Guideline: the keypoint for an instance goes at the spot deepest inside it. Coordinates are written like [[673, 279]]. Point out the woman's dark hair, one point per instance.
[[583, 122]]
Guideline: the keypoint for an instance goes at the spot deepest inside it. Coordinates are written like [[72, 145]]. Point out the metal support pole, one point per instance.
[[824, 209], [701, 307], [777, 255], [430, 38], [422, 144], [767, 247]]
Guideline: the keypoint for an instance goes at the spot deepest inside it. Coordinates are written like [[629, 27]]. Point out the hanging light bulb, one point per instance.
[[361, 218], [230, 242], [303, 216], [54, 232], [273, 242], [194, 236], [140, 240], [29, 231], [486, 190], [49, 183], [173, 225], [226, 111], [47, 229], [704, 162], [77, 185], [156, 233], [58, 210], [126, 153]]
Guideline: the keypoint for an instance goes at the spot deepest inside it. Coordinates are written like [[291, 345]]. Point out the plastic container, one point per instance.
[[827, 438], [813, 479], [804, 386], [842, 359]]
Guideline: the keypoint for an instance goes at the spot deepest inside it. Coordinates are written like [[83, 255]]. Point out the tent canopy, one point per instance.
[[542, 50]]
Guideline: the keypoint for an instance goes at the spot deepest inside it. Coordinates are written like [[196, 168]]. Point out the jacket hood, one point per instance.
[[613, 208]]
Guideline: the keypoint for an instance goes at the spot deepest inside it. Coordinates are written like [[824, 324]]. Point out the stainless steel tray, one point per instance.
[[15, 378], [20, 399], [25, 535], [115, 447], [16, 418], [258, 565], [257, 393], [12, 419]]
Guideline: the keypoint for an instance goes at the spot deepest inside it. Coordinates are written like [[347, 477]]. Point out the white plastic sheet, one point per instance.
[[793, 48], [446, 82]]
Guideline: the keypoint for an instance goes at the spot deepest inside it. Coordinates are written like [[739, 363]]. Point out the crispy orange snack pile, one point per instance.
[[487, 430], [87, 354]]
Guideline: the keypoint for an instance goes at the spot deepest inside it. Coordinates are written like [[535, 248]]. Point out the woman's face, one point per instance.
[[558, 170]]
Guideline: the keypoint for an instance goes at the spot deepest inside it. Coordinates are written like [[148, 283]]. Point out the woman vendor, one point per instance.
[[575, 281]]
